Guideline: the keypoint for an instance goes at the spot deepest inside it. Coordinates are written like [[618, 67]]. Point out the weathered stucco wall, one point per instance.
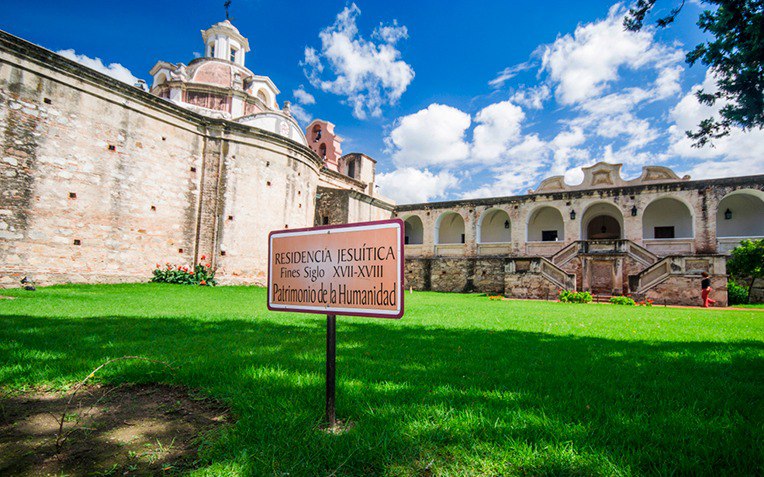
[[342, 206], [100, 181]]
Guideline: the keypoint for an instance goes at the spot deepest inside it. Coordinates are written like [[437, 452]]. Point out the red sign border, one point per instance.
[[402, 227]]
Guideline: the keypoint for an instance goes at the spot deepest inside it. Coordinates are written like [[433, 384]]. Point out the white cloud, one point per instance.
[[498, 126], [369, 75], [409, 185], [508, 73], [391, 33], [519, 170], [300, 114], [740, 153], [115, 70], [432, 136], [533, 97], [302, 96], [585, 63]]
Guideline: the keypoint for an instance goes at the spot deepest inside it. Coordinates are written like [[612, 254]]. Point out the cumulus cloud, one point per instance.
[[115, 70], [369, 75], [431, 136], [498, 127], [533, 97], [410, 185], [300, 114], [585, 63], [518, 171], [303, 97], [740, 153]]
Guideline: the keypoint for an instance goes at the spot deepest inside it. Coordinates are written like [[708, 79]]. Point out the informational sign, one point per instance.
[[354, 269]]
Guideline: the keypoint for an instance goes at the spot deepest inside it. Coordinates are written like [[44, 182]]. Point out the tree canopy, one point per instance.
[[735, 55]]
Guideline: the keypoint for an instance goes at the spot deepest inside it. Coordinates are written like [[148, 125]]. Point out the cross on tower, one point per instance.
[[227, 4]]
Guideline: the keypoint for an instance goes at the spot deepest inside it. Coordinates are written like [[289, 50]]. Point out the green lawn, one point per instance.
[[463, 384]]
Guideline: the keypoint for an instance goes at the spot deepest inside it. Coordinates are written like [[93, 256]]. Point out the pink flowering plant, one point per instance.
[[201, 274]]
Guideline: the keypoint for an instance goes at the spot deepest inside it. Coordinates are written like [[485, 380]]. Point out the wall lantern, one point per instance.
[[506, 224], [727, 214], [572, 215], [634, 211]]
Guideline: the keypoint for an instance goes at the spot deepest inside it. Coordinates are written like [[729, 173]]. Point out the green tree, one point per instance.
[[735, 54], [747, 261]]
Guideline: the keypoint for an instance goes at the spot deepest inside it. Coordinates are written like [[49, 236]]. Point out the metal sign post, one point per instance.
[[353, 270], [331, 368]]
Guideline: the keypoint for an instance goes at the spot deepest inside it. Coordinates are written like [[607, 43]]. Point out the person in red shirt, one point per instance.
[[705, 295]]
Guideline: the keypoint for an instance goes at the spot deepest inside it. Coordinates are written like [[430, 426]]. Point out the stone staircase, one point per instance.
[[604, 247]]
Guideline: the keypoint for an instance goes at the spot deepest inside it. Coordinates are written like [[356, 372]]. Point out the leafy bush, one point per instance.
[[747, 262], [567, 296], [622, 300], [736, 294], [202, 274]]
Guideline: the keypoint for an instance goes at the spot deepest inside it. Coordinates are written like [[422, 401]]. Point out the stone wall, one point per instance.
[[343, 206], [416, 273], [529, 285], [100, 181], [484, 275], [331, 206], [757, 292], [685, 290], [489, 275], [451, 274]]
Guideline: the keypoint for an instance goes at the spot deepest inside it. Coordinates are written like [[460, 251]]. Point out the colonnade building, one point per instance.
[[650, 237]]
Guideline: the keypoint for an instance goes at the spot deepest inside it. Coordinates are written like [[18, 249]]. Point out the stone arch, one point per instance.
[[602, 220], [745, 209], [666, 218], [494, 227], [315, 133], [322, 150], [263, 96], [545, 224], [414, 230], [449, 228]]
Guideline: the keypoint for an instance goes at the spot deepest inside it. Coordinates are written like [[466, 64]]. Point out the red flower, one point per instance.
[[203, 257], [209, 265], [203, 282], [185, 269], [157, 265]]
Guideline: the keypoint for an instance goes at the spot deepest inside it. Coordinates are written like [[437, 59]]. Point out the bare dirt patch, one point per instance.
[[144, 429]]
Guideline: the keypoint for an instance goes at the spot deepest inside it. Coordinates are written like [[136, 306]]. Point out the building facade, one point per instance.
[[650, 237]]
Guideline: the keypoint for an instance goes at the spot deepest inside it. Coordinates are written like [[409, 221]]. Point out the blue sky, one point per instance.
[[454, 99]]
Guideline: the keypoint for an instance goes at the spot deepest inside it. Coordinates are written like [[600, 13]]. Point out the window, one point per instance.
[[548, 235], [351, 169], [212, 50], [233, 55], [325, 220], [664, 232], [462, 238]]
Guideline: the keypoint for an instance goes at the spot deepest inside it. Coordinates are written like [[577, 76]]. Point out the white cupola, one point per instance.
[[223, 41]]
